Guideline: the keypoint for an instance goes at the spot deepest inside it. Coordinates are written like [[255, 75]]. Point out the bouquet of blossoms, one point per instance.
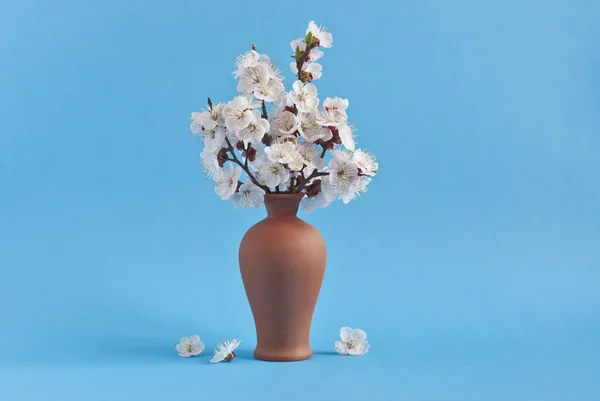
[[267, 140]]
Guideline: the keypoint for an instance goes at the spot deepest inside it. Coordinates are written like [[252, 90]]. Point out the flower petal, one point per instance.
[[360, 334], [341, 348], [345, 334]]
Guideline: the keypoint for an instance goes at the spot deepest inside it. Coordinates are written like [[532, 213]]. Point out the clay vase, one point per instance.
[[282, 261]]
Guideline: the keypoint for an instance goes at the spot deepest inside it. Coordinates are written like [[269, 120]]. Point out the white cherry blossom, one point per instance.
[[318, 32], [336, 103], [311, 157], [355, 191], [248, 196], [365, 162], [331, 118], [196, 125], [213, 139], [255, 130], [224, 351], [269, 92], [238, 113], [210, 165], [283, 152], [347, 136], [314, 69], [247, 60], [227, 180], [343, 174], [284, 123], [309, 128], [271, 173], [304, 96], [354, 342], [190, 346], [254, 77], [322, 199]]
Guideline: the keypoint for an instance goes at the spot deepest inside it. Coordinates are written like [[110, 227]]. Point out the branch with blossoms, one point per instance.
[[286, 151]]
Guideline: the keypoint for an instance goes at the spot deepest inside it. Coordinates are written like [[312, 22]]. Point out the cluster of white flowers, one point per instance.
[[354, 342], [193, 346], [279, 140]]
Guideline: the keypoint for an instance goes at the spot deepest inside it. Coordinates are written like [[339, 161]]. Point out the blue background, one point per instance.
[[472, 263]]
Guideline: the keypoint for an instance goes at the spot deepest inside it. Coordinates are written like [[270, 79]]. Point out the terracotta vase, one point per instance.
[[282, 260]]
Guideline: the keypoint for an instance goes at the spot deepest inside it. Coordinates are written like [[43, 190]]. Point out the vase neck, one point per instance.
[[282, 205]]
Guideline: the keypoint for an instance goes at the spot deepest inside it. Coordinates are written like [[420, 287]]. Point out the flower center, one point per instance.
[[189, 347], [274, 168]]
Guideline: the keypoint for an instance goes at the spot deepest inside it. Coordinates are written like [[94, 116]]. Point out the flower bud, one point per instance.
[[250, 154], [314, 188]]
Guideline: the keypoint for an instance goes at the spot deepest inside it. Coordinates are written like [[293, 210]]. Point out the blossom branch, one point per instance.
[[264, 110], [244, 166], [305, 182]]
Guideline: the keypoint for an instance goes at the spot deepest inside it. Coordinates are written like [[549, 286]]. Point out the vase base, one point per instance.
[[283, 355]]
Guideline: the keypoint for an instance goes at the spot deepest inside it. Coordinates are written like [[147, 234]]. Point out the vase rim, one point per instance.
[[284, 196]]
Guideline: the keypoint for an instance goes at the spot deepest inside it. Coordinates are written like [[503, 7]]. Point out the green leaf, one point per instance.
[[308, 39]]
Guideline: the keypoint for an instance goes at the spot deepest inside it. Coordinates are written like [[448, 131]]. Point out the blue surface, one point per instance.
[[473, 262]]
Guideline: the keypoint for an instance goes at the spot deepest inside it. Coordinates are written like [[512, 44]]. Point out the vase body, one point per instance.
[[282, 261]]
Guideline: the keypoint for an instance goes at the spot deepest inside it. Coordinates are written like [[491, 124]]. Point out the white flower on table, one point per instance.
[[304, 96], [354, 342], [224, 352], [318, 32], [227, 181], [249, 195], [190, 346]]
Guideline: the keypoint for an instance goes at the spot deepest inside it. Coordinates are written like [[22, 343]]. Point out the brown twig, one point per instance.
[[264, 110], [244, 166], [314, 174]]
